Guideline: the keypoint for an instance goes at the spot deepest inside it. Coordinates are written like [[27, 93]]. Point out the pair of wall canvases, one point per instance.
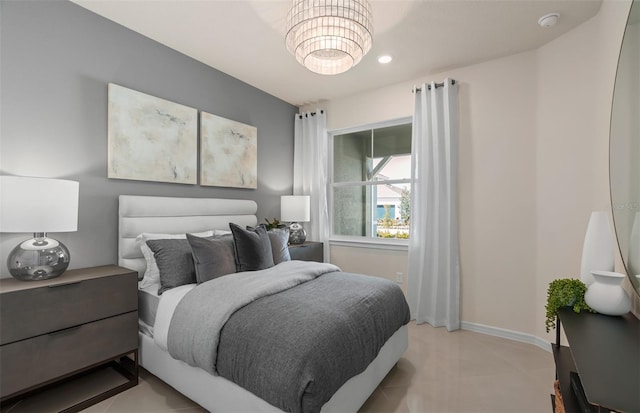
[[152, 139]]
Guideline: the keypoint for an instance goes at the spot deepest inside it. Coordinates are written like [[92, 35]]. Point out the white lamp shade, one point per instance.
[[38, 204], [295, 208]]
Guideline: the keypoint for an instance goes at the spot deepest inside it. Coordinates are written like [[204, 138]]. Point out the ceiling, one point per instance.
[[245, 38]]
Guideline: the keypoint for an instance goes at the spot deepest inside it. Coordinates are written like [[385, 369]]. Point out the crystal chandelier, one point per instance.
[[329, 36]]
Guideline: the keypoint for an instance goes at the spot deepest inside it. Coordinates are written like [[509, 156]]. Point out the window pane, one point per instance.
[[351, 211], [381, 211], [393, 211], [352, 157], [392, 167], [392, 140]]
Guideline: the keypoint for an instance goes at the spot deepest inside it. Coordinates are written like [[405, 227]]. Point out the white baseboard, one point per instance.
[[508, 334]]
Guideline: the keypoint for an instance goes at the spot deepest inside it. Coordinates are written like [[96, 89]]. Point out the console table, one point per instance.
[[600, 371]]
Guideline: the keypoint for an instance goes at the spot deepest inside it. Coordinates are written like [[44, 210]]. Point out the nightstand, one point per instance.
[[308, 251], [81, 322]]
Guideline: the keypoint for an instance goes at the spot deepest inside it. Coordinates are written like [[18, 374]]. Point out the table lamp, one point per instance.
[[295, 209], [38, 205]]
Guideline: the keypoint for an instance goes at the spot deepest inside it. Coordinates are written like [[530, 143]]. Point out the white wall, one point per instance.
[[533, 165], [383, 263], [57, 59], [576, 75]]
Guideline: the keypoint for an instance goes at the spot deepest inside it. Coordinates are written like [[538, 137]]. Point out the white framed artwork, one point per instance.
[[151, 139], [228, 153]]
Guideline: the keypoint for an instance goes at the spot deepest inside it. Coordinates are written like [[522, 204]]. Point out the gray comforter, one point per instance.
[[295, 344]]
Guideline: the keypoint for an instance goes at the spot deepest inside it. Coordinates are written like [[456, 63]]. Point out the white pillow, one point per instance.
[[152, 273]]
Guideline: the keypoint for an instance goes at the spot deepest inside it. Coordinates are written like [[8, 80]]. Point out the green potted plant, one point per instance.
[[274, 224], [564, 292]]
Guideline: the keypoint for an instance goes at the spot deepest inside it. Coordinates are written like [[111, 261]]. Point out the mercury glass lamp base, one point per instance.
[[297, 234], [38, 258]]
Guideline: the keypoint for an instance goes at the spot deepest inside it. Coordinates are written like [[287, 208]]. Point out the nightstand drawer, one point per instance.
[[32, 362], [308, 251], [70, 302]]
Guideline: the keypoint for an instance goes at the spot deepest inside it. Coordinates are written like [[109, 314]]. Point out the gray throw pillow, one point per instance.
[[212, 258], [279, 238], [253, 248], [175, 262]]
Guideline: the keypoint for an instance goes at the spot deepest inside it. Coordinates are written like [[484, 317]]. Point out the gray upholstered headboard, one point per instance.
[[165, 215]]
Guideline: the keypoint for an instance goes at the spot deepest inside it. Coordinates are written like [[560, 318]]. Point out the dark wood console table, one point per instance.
[[604, 360]]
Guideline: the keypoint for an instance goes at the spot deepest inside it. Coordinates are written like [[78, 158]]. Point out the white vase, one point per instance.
[[597, 251], [606, 295]]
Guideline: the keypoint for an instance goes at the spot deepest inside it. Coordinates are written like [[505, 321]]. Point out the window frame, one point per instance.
[[352, 240]]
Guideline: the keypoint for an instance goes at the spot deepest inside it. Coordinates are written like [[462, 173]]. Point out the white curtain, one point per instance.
[[310, 171], [433, 290]]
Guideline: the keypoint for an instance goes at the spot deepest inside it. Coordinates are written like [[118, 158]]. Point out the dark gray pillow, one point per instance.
[[253, 248], [212, 258], [175, 262], [279, 238]]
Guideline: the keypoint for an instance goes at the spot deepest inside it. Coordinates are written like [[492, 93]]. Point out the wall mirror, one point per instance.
[[624, 150]]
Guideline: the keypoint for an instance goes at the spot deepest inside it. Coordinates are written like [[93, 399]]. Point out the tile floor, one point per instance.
[[441, 372]]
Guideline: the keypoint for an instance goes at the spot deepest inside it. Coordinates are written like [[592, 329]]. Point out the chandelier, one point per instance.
[[329, 36]]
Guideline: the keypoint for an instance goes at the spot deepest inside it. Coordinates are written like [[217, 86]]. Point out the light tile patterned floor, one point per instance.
[[441, 372]]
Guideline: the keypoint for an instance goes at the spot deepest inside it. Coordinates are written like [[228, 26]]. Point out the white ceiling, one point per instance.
[[245, 38]]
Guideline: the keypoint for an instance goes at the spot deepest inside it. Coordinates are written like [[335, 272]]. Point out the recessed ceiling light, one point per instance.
[[548, 20], [385, 59]]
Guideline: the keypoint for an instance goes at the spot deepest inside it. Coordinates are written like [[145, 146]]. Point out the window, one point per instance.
[[371, 181]]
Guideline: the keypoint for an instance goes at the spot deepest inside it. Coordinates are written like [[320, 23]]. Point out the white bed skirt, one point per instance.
[[218, 394]]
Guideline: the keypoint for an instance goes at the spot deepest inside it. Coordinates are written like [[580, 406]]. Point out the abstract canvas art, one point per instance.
[[228, 153], [151, 139]]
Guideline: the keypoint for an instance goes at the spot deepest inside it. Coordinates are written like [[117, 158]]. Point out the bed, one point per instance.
[[165, 215]]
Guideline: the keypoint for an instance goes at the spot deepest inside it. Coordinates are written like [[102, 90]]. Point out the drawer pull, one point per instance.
[[65, 284], [64, 330]]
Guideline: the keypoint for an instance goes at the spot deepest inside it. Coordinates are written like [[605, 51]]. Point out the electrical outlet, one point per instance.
[[399, 277]]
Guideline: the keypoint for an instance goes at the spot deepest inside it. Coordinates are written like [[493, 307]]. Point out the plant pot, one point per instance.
[[606, 295]]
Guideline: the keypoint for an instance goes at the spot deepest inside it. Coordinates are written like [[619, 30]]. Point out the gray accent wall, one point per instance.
[[56, 61]]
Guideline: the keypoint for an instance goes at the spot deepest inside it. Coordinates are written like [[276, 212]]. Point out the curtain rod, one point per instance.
[[417, 89], [306, 115]]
